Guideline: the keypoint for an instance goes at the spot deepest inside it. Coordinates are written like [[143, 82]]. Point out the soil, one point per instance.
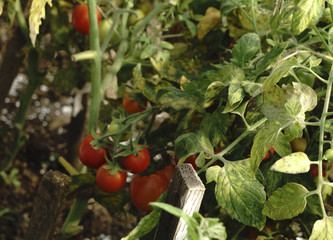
[[47, 126]]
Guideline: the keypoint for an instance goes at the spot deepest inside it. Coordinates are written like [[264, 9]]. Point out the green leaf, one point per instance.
[[176, 98], [270, 57], [235, 93], [241, 109], [82, 181], [214, 89], [322, 229], [166, 45], [226, 74], [252, 88], [174, 211], [282, 145], [112, 202], [192, 143], [279, 72], [329, 126], [329, 155], [289, 103], [215, 126], [200, 160], [212, 173], [264, 139], [286, 202], [240, 194], [192, 27], [245, 49], [148, 51], [306, 14], [297, 162], [37, 13], [147, 86], [173, 71], [146, 224], [272, 180]]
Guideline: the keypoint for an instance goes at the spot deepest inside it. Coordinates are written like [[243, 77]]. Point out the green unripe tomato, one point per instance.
[[298, 144], [136, 17], [115, 127], [104, 29]]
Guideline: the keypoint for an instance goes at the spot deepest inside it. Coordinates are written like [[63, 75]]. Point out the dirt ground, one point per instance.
[[46, 125]]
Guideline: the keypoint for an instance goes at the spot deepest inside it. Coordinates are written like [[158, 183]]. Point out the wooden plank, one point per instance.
[[185, 192], [48, 205]]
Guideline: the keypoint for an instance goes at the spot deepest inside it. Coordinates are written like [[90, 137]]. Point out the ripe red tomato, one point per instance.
[[133, 106], [272, 150], [167, 171], [110, 183], [146, 189], [136, 164], [314, 171], [92, 158], [80, 18]]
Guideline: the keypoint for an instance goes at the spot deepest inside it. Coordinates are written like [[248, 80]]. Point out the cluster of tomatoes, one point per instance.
[[111, 178]]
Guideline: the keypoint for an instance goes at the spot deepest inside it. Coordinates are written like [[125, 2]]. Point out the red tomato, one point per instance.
[[92, 158], [272, 150], [133, 106], [80, 18], [136, 164], [110, 183], [167, 171], [146, 189], [314, 171]]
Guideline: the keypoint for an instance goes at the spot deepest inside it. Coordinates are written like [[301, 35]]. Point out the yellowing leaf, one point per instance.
[[1, 6], [37, 13], [208, 22]]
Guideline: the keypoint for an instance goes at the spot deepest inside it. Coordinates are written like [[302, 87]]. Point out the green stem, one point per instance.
[[323, 40], [233, 144], [21, 20], [96, 68], [254, 18], [71, 225], [321, 138], [72, 221]]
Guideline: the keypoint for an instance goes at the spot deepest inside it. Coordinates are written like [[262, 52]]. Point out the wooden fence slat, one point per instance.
[[185, 192], [48, 205]]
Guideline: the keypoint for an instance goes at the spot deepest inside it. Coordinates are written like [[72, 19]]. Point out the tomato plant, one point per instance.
[[136, 163], [299, 144], [110, 182], [80, 18], [89, 156], [146, 189], [133, 105]]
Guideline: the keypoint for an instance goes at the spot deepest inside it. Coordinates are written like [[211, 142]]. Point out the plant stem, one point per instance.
[[323, 40], [21, 20], [233, 144], [254, 18], [73, 219], [96, 67], [321, 138]]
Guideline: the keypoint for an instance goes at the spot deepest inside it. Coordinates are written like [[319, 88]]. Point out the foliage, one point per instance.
[[239, 74]]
